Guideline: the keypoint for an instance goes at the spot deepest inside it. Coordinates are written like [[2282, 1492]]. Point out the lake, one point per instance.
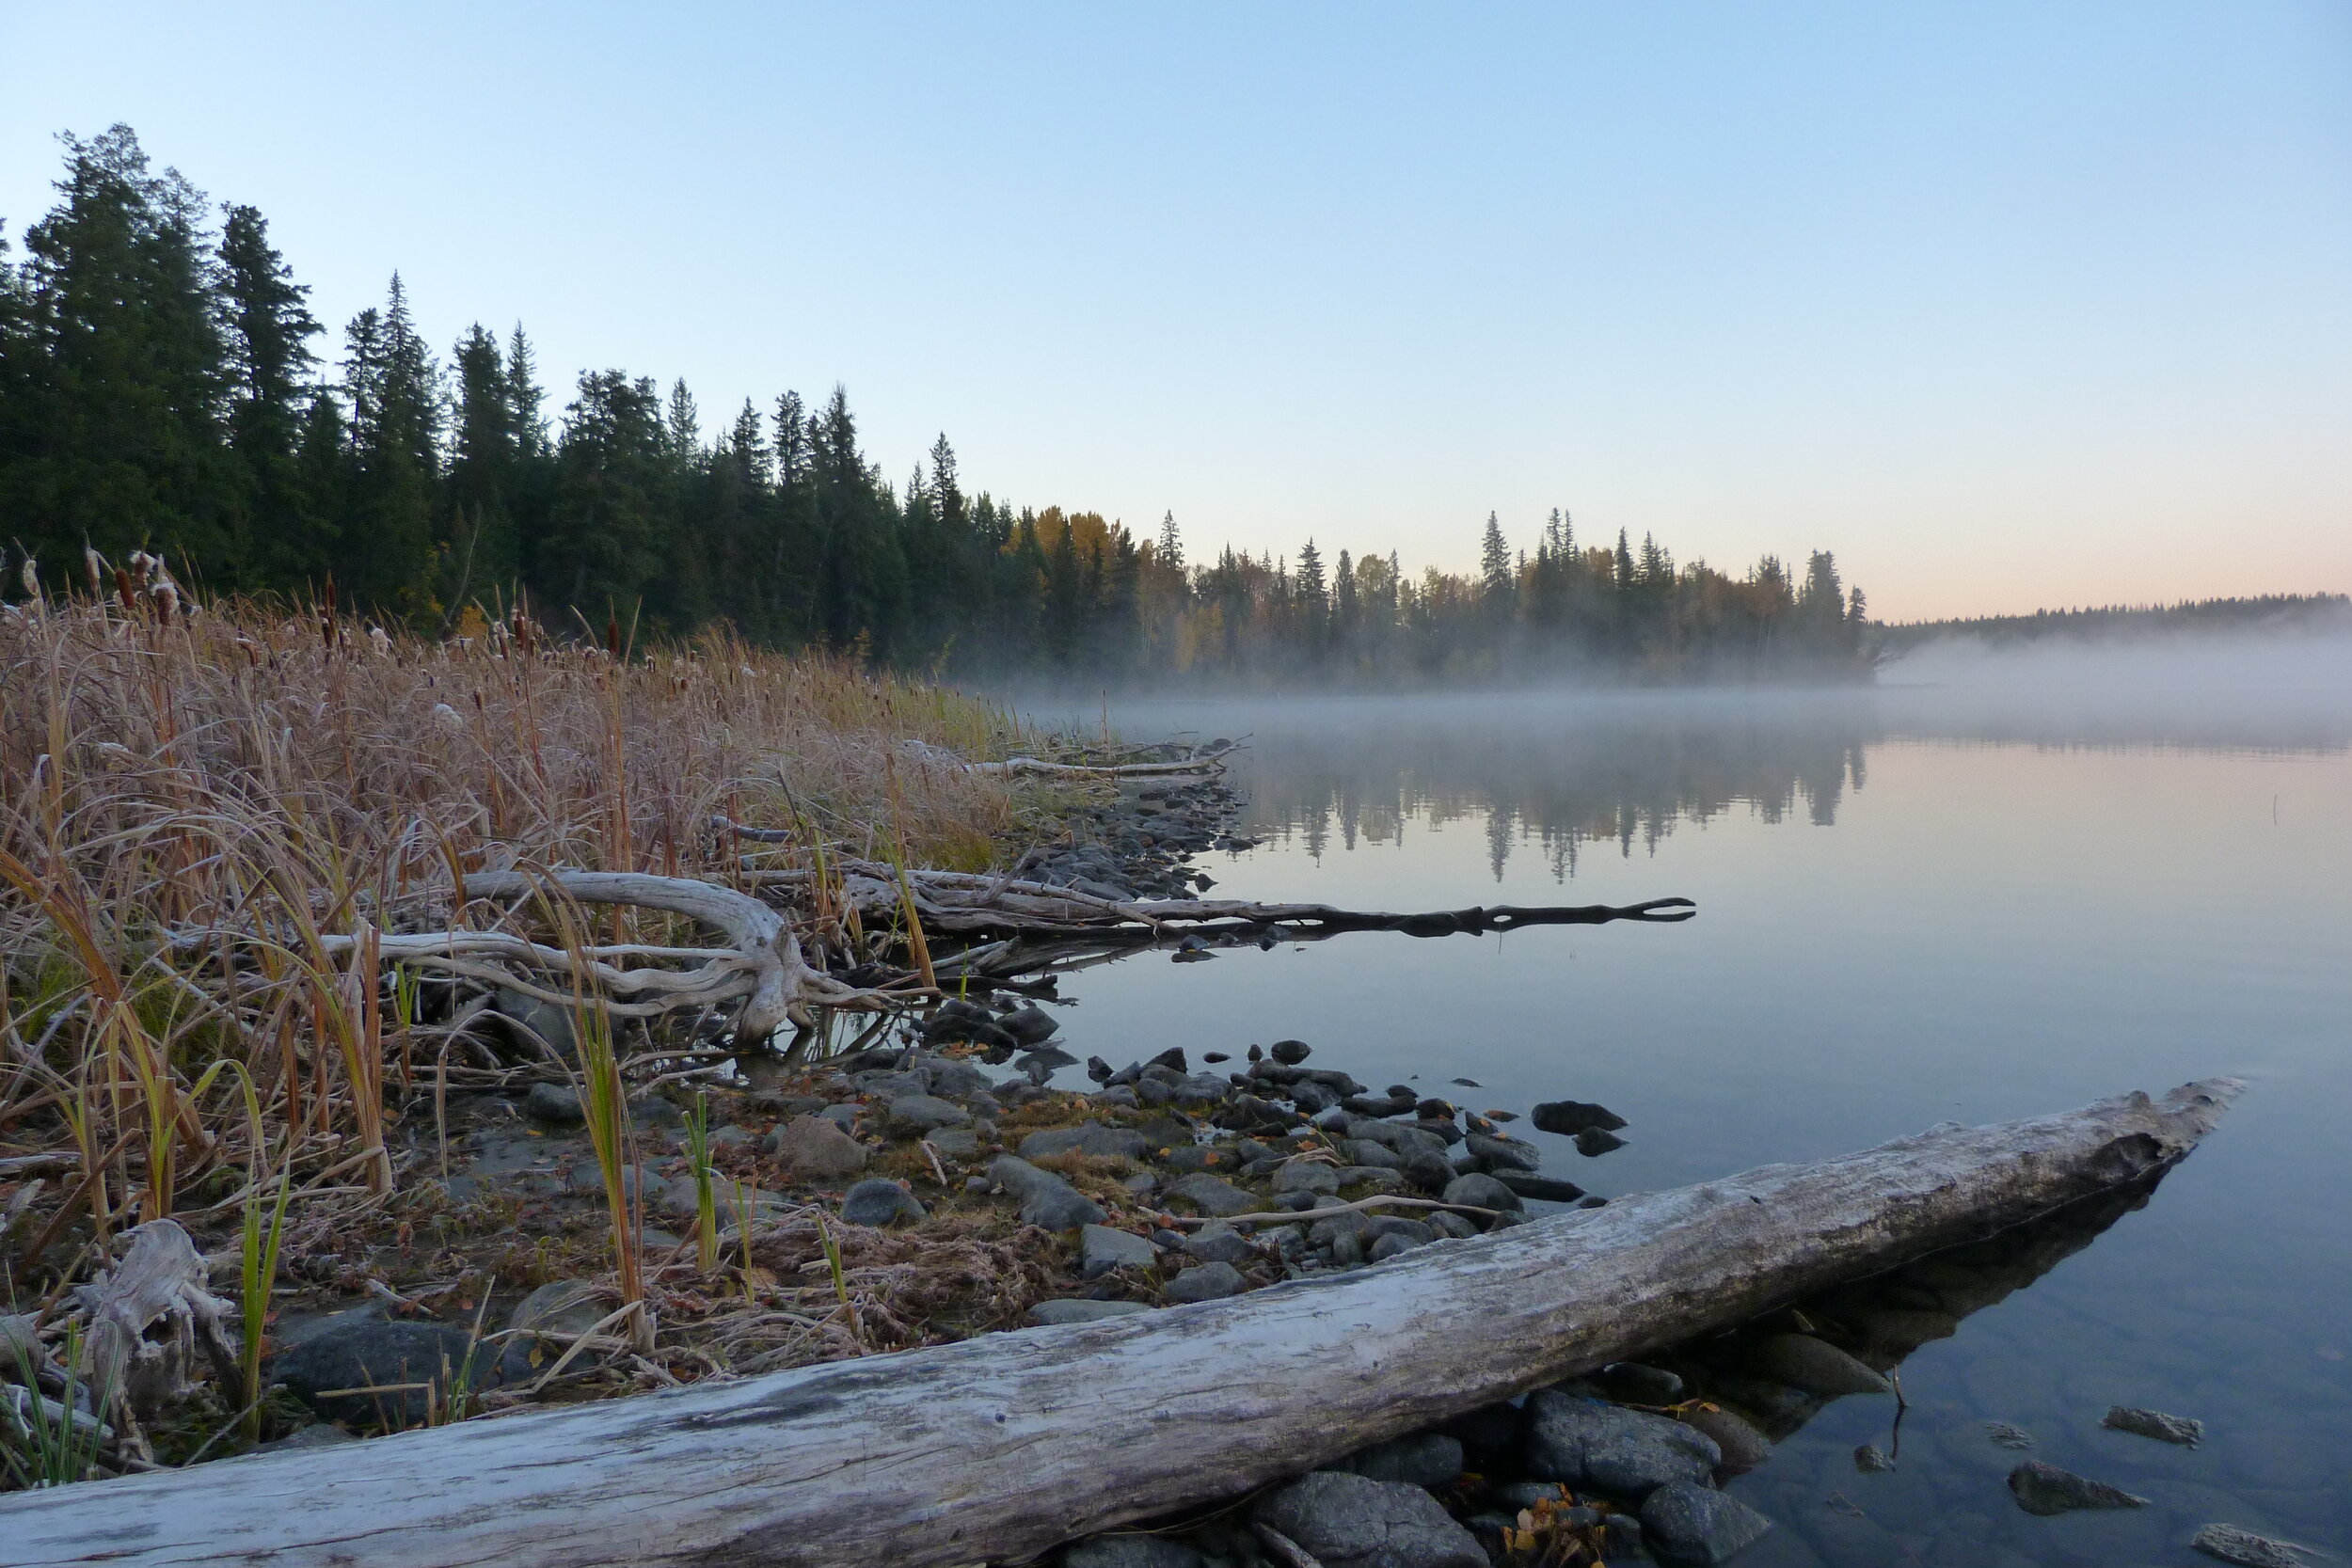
[[1916, 904]]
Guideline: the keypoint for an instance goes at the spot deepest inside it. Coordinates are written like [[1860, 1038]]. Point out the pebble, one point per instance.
[[1046, 1200], [1208, 1282], [879, 1202], [1089, 1138], [1871, 1460], [1102, 1249], [1219, 1244], [817, 1149], [554, 1102], [1210, 1196]]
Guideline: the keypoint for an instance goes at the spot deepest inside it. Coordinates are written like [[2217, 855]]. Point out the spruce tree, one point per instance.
[[268, 328]]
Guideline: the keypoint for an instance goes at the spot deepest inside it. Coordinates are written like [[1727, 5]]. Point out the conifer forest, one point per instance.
[[165, 387]]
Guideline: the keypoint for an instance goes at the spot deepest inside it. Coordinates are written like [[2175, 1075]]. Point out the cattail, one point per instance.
[[29, 574], [95, 564], [382, 644], [167, 599], [122, 589]]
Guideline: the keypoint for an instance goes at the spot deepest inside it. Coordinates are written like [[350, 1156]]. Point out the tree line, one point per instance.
[[164, 385]]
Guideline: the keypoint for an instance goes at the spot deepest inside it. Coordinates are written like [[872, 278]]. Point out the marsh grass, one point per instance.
[[209, 815]]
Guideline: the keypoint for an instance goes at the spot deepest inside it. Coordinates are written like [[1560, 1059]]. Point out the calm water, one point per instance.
[[1914, 906]]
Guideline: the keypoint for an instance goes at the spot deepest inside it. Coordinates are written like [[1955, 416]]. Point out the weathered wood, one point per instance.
[[1002, 1445]]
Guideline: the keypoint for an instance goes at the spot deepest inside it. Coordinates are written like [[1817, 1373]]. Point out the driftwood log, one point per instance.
[[1000, 1446]]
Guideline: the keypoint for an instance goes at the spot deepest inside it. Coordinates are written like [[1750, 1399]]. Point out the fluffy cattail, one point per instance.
[[29, 574], [95, 564], [382, 644]]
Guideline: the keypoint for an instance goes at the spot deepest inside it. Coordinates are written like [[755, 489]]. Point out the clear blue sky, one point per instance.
[[2009, 303]]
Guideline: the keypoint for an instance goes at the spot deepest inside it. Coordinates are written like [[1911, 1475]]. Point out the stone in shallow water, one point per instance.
[[1596, 1141], [1815, 1366], [2247, 1549], [2007, 1436], [1685, 1522], [1348, 1521], [2155, 1424], [1635, 1384], [2046, 1489], [1743, 1446], [1872, 1460], [1571, 1117]]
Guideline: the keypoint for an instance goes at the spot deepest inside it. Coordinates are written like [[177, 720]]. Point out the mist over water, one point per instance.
[[1996, 885]]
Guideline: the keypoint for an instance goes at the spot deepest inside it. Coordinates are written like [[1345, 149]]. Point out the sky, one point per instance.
[[2008, 305]]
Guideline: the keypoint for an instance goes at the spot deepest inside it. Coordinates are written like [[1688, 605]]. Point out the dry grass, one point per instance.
[[170, 774]]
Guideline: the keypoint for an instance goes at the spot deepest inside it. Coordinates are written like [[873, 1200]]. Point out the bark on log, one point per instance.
[[1003, 1445]]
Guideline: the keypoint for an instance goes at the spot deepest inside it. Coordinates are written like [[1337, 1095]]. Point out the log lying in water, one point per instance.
[[1001, 1446]]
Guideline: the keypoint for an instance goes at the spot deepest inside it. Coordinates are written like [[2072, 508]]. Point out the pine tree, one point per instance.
[[1172, 543], [392, 554]]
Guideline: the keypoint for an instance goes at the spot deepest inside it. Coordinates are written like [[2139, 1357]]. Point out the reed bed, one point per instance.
[[211, 814]]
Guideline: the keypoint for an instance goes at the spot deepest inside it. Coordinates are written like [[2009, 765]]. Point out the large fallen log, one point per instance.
[[1003, 1445]]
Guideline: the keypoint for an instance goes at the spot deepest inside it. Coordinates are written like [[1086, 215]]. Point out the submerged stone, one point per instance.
[[2046, 1489]]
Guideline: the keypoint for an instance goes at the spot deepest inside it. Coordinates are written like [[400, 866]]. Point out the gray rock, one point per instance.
[[1366, 1152], [1046, 1200], [879, 1202], [1482, 1192], [2245, 1549], [1871, 1460], [1625, 1453], [1571, 1117], [2155, 1424], [1385, 1247], [1544, 1189], [956, 1080], [957, 1143], [1101, 1250], [1743, 1448], [554, 1102], [1396, 1224], [817, 1149], [1130, 1551], [1306, 1176], [362, 1352], [1119, 1095], [1350, 1521], [1689, 1524], [1029, 1024], [1049, 1313], [549, 1021], [656, 1191], [2046, 1489], [2007, 1436], [843, 1116], [319, 1435], [1221, 1243], [1091, 1138], [1428, 1459], [655, 1110], [559, 1306], [1377, 1179], [1352, 1222], [1210, 1196], [921, 1113], [1595, 1140], [1290, 1053], [1458, 1226], [1815, 1366], [1499, 1154], [1207, 1282], [1635, 1384]]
